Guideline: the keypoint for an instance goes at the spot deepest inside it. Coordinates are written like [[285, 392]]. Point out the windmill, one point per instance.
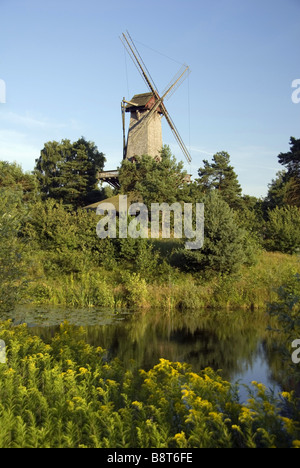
[[146, 111]]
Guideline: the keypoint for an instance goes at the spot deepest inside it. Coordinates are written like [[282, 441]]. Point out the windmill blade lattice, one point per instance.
[[180, 76]]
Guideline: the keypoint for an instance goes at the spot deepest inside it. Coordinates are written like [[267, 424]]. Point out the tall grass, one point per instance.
[[251, 288]]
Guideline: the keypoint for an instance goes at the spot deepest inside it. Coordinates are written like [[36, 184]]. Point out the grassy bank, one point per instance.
[[251, 288]]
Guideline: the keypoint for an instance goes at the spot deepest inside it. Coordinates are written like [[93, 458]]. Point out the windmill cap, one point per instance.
[[141, 101]]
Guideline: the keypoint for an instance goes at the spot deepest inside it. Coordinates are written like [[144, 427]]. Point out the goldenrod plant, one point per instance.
[[66, 394]]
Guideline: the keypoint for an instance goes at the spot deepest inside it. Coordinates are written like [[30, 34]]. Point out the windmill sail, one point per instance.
[[143, 117]]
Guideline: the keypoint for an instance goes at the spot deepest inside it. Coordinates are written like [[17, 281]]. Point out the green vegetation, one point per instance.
[[286, 310], [220, 176], [283, 229], [63, 262], [152, 182], [291, 161], [50, 252], [63, 394], [12, 213], [68, 171], [55, 256]]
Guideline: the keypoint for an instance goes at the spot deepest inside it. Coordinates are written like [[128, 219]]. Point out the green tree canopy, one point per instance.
[[283, 229], [154, 181], [68, 171], [278, 191], [13, 177], [225, 246], [291, 161], [12, 215], [219, 175]]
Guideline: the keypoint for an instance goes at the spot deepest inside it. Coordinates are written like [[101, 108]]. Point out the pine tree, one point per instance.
[[225, 246], [291, 160], [220, 176]]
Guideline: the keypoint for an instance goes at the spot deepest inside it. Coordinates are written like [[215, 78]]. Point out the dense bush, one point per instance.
[[283, 229], [226, 245], [286, 309], [12, 214]]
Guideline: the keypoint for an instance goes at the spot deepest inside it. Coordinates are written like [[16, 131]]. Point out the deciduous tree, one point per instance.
[[68, 171], [153, 181]]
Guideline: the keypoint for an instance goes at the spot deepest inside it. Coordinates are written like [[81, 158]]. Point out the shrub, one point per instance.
[[12, 213], [286, 309], [225, 243], [283, 229], [136, 292]]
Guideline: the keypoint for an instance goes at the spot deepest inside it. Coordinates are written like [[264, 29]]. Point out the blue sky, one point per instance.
[[66, 72]]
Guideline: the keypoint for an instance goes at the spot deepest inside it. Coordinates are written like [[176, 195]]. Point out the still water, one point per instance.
[[237, 343]]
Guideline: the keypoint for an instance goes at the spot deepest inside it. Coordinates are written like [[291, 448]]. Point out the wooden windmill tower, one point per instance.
[[146, 110]]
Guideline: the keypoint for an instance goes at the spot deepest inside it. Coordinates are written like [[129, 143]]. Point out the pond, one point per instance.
[[237, 343]]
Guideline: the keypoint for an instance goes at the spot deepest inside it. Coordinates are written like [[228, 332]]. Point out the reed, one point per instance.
[[251, 288]]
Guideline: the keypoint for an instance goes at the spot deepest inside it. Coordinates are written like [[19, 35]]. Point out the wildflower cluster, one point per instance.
[[64, 394]]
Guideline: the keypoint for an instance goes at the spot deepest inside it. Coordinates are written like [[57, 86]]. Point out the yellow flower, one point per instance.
[[269, 408], [112, 383], [289, 424], [70, 405], [83, 370], [207, 378], [179, 435], [236, 428], [246, 415], [137, 404], [204, 405], [217, 416], [296, 443], [195, 377], [180, 439], [163, 401], [261, 387], [78, 400], [287, 395]]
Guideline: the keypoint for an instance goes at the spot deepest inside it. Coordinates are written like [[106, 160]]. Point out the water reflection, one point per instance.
[[237, 343]]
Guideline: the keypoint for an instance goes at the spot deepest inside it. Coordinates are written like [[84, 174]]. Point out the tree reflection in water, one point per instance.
[[238, 343]]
